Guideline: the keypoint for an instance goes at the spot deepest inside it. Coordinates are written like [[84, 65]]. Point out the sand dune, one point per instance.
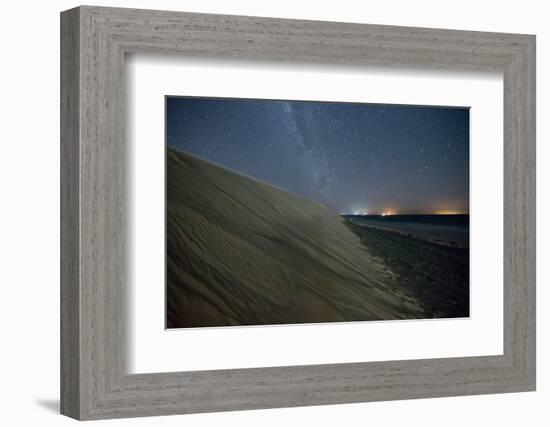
[[243, 252]]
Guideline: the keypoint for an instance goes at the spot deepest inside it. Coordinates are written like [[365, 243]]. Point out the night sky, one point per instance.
[[352, 157]]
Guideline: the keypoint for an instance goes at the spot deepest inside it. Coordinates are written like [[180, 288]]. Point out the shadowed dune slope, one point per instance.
[[243, 252]]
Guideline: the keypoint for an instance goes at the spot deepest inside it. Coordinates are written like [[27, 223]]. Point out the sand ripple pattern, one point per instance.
[[243, 252]]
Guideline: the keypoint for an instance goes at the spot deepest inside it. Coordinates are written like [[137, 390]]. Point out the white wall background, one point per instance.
[[29, 214]]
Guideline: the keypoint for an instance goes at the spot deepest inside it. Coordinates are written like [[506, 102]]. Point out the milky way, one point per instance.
[[351, 157]]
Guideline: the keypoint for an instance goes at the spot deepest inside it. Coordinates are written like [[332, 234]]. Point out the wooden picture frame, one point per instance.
[[94, 382]]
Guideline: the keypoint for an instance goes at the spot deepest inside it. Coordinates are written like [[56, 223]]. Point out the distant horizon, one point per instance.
[[404, 214], [353, 158]]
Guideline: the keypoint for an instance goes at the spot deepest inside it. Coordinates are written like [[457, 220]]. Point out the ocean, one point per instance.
[[450, 230]]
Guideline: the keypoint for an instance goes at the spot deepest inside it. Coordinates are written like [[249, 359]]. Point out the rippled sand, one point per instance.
[[243, 252]]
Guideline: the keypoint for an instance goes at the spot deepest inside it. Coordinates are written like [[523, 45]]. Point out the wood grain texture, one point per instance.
[[94, 381], [70, 334]]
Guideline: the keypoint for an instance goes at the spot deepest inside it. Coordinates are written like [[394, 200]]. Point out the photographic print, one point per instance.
[[288, 212]]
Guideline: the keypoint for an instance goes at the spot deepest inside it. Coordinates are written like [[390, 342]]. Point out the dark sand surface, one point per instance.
[[436, 275], [243, 252]]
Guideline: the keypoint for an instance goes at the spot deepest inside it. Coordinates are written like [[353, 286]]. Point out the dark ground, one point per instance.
[[437, 276]]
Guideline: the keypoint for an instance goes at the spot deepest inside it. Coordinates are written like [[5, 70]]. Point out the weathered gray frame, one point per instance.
[[94, 41]]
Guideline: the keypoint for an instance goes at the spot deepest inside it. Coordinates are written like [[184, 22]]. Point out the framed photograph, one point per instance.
[[334, 212], [262, 213]]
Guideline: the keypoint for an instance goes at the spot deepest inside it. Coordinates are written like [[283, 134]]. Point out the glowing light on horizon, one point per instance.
[[449, 212], [364, 212]]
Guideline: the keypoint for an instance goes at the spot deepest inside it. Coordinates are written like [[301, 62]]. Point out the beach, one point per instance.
[[445, 229], [436, 274]]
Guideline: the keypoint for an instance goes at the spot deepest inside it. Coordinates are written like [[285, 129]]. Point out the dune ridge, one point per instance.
[[243, 252]]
